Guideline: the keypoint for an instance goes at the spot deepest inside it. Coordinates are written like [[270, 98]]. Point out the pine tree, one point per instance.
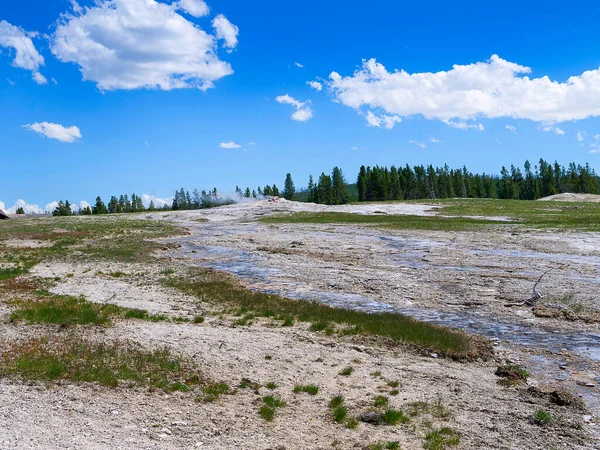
[[289, 190], [275, 191], [20, 210], [324, 189], [99, 207], [311, 190], [339, 191]]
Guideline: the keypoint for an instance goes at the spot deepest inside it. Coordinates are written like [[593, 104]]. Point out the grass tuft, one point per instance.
[[541, 417], [393, 417], [380, 401], [309, 389], [340, 413], [347, 371], [441, 439]]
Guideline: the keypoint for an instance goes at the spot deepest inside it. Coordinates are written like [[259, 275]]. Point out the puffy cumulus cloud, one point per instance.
[[383, 120], [229, 145], [315, 85], [133, 44], [55, 131], [303, 110], [511, 129], [28, 208], [196, 8], [226, 31], [490, 89], [158, 202], [418, 144], [26, 55], [50, 207], [76, 207]]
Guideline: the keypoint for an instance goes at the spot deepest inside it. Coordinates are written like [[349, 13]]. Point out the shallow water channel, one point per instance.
[[253, 269]]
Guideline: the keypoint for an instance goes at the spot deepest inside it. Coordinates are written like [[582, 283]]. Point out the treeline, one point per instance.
[[420, 182]]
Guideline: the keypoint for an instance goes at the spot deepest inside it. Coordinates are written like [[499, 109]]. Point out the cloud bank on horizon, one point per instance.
[[492, 89], [75, 207]]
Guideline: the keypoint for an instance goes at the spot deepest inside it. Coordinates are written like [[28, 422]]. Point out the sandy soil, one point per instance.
[[414, 269]]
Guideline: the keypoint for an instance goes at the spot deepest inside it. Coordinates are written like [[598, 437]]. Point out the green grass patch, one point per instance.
[[399, 222], [110, 364], [541, 417], [67, 310], [340, 413], [441, 439], [223, 290], [380, 401], [452, 216], [392, 445], [393, 417], [336, 401], [309, 389], [269, 409], [214, 391], [346, 371]]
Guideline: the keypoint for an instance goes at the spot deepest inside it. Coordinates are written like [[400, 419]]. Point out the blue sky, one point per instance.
[[160, 97]]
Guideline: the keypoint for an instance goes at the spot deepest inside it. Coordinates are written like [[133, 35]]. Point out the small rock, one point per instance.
[[166, 431], [434, 355], [562, 367], [587, 418], [179, 423], [371, 417]]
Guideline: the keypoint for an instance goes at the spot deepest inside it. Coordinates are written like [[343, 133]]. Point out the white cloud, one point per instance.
[[581, 136], [315, 85], [418, 144], [297, 64], [354, 148], [435, 141], [76, 8], [55, 131], [556, 130], [303, 111], [50, 206], [226, 31], [133, 44], [29, 209], [383, 120], [158, 202], [461, 125], [26, 55], [229, 145], [252, 143], [511, 129], [490, 89], [196, 8], [78, 207]]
